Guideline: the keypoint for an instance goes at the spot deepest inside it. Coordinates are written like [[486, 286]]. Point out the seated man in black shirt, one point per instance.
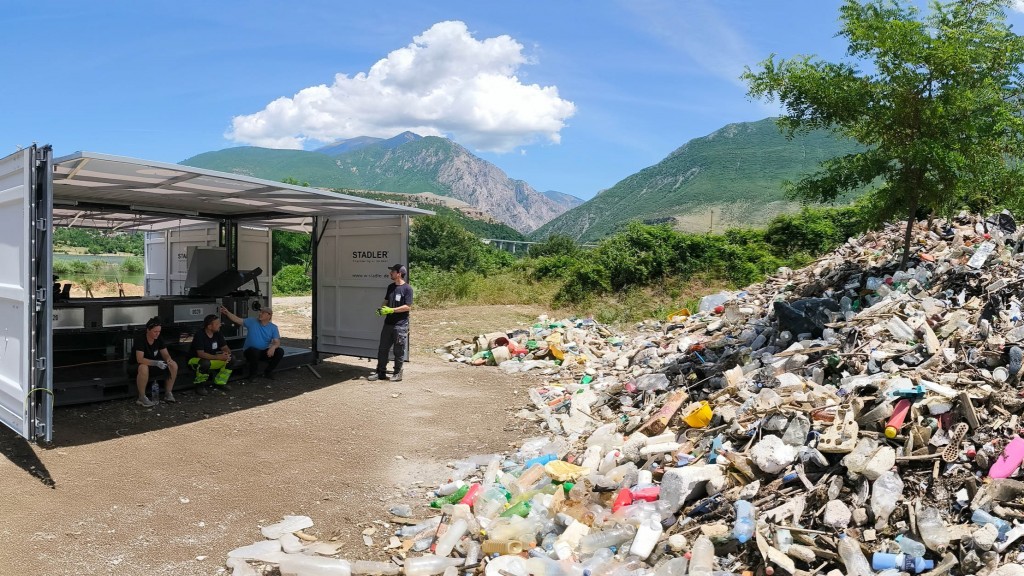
[[150, 359], [209, 352]]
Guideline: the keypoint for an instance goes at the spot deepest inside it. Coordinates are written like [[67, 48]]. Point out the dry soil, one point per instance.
[[170, 490]]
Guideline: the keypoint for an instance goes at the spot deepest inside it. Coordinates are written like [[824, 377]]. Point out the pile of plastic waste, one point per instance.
[[853, 417]]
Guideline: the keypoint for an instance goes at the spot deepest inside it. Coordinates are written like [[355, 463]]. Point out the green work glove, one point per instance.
[[384, 310]]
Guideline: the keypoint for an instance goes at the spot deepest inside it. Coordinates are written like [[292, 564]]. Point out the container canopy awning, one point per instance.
[[114, 192]]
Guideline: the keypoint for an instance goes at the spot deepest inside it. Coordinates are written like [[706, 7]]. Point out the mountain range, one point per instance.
[[407, 163], [731, 177]]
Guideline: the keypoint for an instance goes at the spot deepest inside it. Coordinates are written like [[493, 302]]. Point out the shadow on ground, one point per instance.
[[20, 452], [102, 421]]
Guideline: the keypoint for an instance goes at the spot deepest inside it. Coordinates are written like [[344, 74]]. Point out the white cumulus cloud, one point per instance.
[[1017, 5], [445, 83]]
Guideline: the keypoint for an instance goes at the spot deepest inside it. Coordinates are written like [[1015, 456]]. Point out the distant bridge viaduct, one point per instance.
[[515, 246]]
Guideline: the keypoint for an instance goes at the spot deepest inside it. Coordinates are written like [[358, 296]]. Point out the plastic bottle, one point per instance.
[[932, 529], [911, 547], [743, 529], [885, 491], [520, 509], [449, 488], [853, 558], [447, 540], [451, 498], [472, 556], [702, 557], [606, 538], [371, 568], [982, 517], [542, 460], [491, 502], [647, 536], [429, 565], [302, 565], [674, 567], [471, 495], [155, 391], [901, 562]]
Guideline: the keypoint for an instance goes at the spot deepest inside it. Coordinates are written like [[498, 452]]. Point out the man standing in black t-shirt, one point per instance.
[[150, 359], [209, 352], [395, 333]]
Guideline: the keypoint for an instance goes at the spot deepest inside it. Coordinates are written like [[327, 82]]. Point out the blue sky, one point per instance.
[[569, 96]]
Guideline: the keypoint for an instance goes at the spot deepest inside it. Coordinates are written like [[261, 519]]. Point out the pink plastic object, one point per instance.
[[470, 497], [649, 494], [1013, 456]]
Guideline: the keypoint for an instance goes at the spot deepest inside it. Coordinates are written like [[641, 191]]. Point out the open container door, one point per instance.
[[26, 215], [352, 260]]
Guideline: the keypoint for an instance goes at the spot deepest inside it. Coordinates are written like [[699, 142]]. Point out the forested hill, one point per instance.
[[731, 177]]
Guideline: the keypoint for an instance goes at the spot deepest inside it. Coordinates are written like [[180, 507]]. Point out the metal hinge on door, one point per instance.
[[41, 363]]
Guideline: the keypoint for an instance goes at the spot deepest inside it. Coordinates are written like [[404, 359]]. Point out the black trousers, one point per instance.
[[392, 339], [253, 356]]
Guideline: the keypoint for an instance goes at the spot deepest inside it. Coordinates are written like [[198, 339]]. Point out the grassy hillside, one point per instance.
[[412, 167], [313, 167], [734, 175]]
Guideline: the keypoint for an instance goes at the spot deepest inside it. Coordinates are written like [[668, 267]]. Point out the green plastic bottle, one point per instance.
[[451, 498], [520, 509]]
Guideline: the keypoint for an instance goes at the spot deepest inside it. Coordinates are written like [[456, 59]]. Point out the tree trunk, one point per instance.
[[908, 235]]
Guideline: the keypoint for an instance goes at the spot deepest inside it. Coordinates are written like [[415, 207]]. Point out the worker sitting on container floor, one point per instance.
[[211, 352], [262, 341]]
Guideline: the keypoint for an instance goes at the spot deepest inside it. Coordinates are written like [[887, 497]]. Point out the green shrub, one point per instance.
[[292, 281], [554, 245], [132, 265], [79, 266], [61, 268], [585, 280], [553, 266]]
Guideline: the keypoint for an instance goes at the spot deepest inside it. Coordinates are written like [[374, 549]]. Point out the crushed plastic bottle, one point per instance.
[[702, 557], [932, 529], [885, 492], [911, 547], [853, 558]]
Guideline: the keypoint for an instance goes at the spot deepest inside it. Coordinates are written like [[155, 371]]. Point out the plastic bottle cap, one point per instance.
[[891, 432]]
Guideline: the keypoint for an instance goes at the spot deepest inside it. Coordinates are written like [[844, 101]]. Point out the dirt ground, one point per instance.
[[125, 490]]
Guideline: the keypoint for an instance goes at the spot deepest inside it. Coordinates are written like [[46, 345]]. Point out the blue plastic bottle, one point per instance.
[[743, 529], [542, 460], [982, 517], [902, 562]]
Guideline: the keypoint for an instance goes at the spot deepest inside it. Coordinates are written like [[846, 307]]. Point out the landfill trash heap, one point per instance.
[[851, 417]]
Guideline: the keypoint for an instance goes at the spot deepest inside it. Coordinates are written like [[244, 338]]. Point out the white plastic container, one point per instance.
[[647, 536]]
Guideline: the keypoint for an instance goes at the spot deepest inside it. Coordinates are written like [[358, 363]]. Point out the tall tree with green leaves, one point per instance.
[[935, 98]]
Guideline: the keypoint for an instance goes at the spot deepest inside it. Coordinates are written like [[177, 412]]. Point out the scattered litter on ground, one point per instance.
[[852, 417]]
